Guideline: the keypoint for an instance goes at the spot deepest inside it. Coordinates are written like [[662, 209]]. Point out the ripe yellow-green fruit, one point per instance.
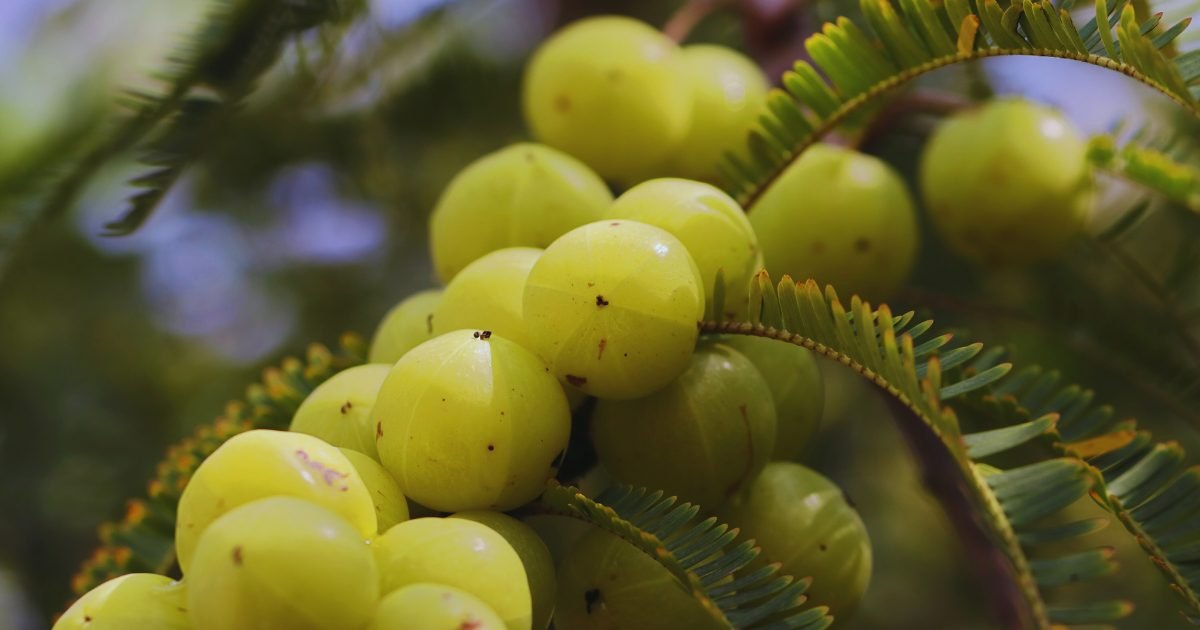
[[282, 563], [339, 410], [408, 323], [535, 557], [1007, 183], [841, 218], [525, 195], [607, 583], [471, 420], [709, 223], [391, 507], [459, 553], [137, 600], [258, 464], [729, 93], [428, 606], [487, 294], [796, 389], [615, 305], [803, 521], [611, 91], [701, 438]]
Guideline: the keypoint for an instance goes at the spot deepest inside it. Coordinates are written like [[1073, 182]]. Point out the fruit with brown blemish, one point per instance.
[[404, 327], [339, 410], [524, 195], [623, 111], [460, 553], [702, 438], [631, 284], [842, 218], [262, 463], [486, 295], [604, 582], [427, 606], [1007, 183], [468, 421], [535, 557], [803, 521], [281, 562], [797, 389], [136, 600]]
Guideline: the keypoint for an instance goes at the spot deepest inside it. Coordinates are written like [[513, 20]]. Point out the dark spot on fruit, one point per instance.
[[862, 245], [485, 334], [591, 284], [470, 624], [429, 323], [378, 430], [603, 344], [237, 555], [592, 598], [600, 301], [823, 547], [818, 247], [558, 459], [347, 407], [625, 354], [491, 447], [577, 381], [614, 224], [562, 104], [87, 619], [529, 157]]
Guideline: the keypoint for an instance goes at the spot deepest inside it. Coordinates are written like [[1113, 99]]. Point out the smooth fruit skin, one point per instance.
[[802, 520], [1007, 183], [729, 93], [535, 557], [471, 421], [524, 195], [842, 218], [615, 305], [137, 600], [282, 563], [606, 583], [391, 507], [709, 223], [487, 295], [339, 410], [459, 553], [792, 374], [612, 91], [261, 463], [430, 606], [408, 324], [701, 438]]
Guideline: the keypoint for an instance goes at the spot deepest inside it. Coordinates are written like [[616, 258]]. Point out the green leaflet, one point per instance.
[[903, 42], [1149, 167]]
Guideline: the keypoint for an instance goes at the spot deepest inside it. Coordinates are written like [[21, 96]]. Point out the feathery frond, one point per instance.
[[1151, 168]]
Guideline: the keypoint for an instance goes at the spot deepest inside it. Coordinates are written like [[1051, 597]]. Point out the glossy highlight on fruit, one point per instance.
[[281, 563], [404, 327], [842, 218], [426, 606], [709, 223], [339, 410], [615, 305], [702, 438], [803, 521], [606, 583], [391, 507], [535, 557], [729, 93], [797, 389], [136, 600], [487, 294], [611, 91], [458, 553], [261, 463], [470, 420], [524, 195], [1007, 183]]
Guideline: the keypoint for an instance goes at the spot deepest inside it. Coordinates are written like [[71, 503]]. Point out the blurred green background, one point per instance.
[[306, 217]]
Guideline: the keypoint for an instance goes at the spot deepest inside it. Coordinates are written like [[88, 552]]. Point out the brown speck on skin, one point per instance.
[[378, 430], [591, 284], [592, 598], [862, 245], [483, 335], [823, 547], [818, 247], [87, 619], [562, 104], [346, 407], [600, 301], [429, 323], [603, 344], [614, 224], [470, 624], [237, 555], [577, 381], [733, 488], [491, 447]]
